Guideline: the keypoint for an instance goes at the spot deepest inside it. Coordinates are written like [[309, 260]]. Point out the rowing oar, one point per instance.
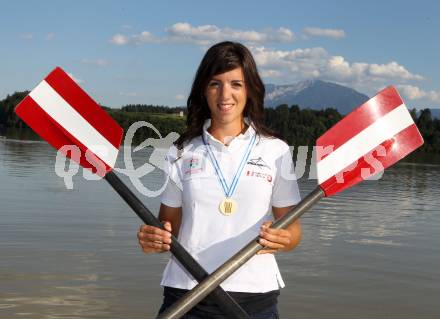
[[374, 136], [71, 121]]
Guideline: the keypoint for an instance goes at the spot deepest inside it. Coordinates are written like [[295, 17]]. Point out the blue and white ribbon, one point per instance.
[[229, 190]]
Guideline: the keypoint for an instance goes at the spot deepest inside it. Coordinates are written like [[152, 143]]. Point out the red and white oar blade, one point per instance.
[[64, 115], [371, 138]]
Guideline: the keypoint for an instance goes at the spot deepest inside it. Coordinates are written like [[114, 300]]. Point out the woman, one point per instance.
[[228, 179]]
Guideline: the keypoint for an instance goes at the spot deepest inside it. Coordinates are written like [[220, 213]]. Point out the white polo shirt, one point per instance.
[[211, 237]]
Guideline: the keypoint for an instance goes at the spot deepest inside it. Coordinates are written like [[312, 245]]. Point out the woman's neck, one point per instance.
[[225, 133]]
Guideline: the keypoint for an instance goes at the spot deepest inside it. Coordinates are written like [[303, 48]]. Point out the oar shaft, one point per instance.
[[190, 299], [226, 302]]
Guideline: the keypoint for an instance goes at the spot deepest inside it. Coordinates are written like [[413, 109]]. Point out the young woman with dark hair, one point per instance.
[[229, 176], [221, 58]]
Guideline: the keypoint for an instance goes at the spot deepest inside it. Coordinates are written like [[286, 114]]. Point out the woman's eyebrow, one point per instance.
[[219, 80]]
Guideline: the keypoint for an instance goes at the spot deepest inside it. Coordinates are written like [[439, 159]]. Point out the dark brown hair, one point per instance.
[[223, 57]]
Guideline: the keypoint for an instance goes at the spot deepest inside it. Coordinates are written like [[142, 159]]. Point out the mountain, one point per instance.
[[314, 94]]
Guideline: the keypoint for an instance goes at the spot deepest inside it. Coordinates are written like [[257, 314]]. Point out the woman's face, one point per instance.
[[226, 96]]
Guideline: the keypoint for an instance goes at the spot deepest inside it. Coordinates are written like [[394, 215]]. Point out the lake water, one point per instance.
[[370, 252]]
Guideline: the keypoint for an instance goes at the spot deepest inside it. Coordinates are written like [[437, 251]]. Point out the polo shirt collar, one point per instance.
[[243, 137]]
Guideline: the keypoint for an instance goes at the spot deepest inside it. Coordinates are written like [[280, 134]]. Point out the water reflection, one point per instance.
[[64, 302], [73, 253]]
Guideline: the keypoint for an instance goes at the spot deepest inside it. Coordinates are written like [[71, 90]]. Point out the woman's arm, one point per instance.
[[280, 239], [153, 239]]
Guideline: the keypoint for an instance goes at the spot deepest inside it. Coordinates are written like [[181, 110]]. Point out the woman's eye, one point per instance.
[[236, 84], [213, 84]]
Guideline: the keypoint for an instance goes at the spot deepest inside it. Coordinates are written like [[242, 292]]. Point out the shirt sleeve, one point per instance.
[[285, 191], [172, 195]]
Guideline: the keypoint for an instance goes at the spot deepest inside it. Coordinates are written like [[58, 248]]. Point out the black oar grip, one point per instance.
[[224, 301]]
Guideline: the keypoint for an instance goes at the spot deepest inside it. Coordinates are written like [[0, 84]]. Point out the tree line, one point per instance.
[[297, 126]]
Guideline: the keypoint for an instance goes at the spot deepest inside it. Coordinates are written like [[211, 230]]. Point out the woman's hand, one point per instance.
[[153, 239], [275, 240]]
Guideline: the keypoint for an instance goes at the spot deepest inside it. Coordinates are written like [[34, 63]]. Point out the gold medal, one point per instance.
[[228, 206]]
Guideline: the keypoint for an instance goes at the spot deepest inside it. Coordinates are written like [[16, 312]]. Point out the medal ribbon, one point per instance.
[[231, 189]]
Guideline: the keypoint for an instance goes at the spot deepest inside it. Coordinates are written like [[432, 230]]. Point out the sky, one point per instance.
[[125, 52]]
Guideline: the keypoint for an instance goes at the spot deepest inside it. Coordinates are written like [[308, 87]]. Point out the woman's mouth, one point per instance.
[[225, 107]]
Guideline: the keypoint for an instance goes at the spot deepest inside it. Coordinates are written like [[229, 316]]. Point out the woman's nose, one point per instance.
[[225, 92]]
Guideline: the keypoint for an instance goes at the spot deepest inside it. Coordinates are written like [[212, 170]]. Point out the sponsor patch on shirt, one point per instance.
[[258, 162], [266, 176], [192, 165]]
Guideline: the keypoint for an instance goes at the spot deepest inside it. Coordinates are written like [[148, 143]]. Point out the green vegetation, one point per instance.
[[8, 118], [297, 126], [165, 123], [430, 130], [152, 108], [300, 127]]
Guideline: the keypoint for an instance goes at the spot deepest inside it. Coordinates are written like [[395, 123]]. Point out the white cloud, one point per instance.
[[50, 36], [77, 80], [119, 39], [97, 62], [316, 62], [286, 67], [207, 34], [270, 73], [291, 65], [27, 36], [135, 39], [415, 93], [393, 69], [180, 97], [319, 32], [143, 37], [339, 68]]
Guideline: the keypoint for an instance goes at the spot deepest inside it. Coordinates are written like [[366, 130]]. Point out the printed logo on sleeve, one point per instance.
[[192, 165]]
